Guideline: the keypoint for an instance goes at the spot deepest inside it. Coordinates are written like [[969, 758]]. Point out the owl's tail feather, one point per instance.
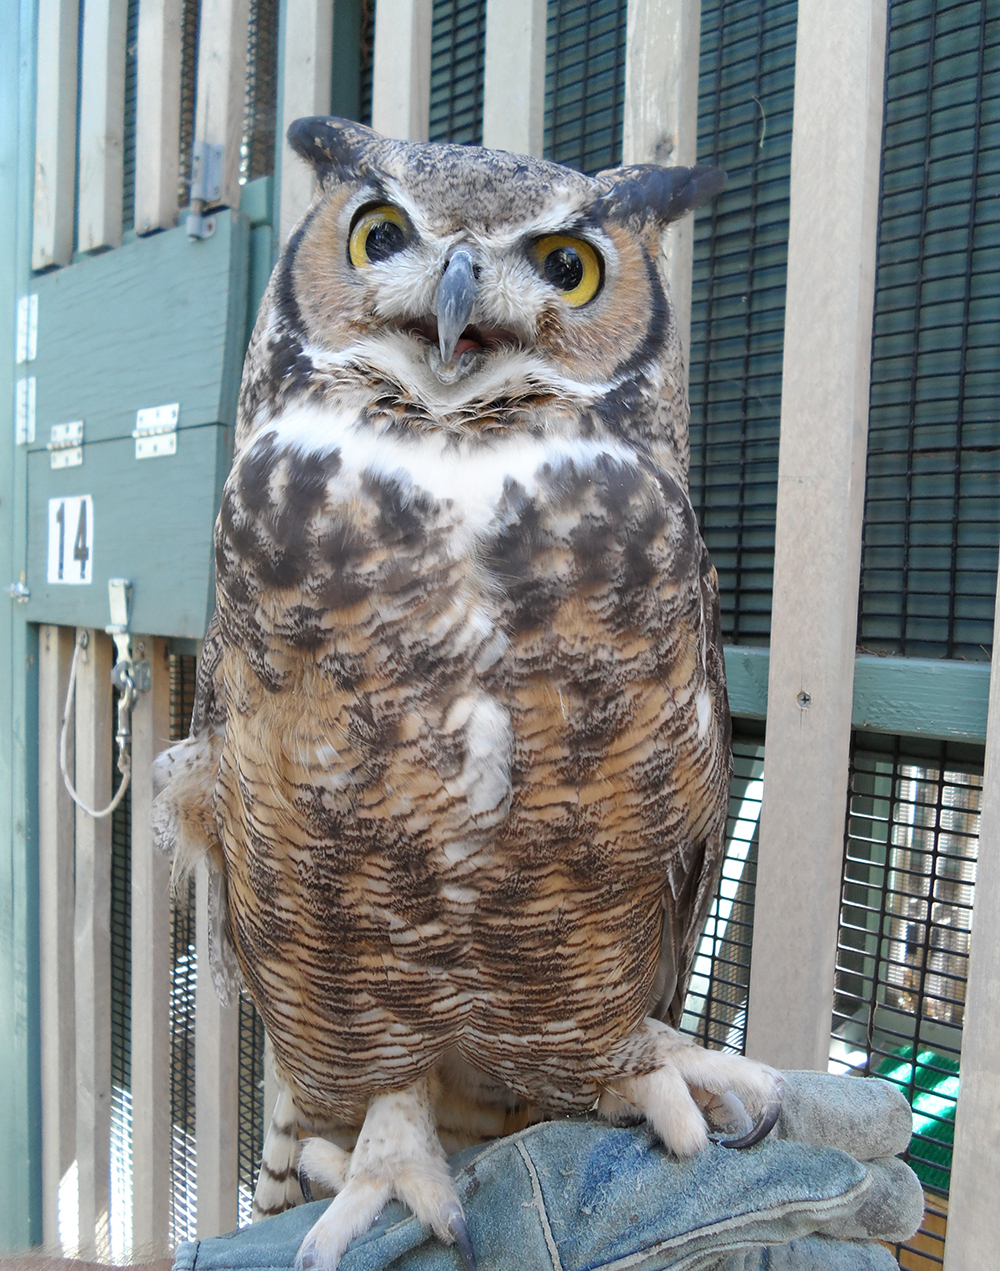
[[278, 1186]]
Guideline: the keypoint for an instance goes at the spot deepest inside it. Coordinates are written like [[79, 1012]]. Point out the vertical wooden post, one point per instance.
[[102, 124], [150, 1068], [92, 940], [306, 90], [514, 80], [216, 1086], [55, 133], [56, 821], [222, 71], [821, 483], [401, 78], [975, 1165], [157, 114], [661, 118]]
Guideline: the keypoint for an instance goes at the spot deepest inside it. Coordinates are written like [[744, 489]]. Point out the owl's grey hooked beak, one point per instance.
[[456, 294]]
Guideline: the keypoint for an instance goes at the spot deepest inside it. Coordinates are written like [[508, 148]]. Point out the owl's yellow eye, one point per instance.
[[379, 234], [571, 265]]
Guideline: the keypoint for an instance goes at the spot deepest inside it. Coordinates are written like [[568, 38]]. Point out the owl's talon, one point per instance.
[[459, 1231], [759, 1132], [304, 1187]]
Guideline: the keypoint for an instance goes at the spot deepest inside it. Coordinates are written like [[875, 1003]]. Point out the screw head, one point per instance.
[[804, 700]]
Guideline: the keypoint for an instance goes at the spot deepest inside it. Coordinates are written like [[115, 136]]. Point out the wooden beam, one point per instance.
[[92, 940], [514, 76], [216, 1086], [221, 97], [56, 822], [401, 77], [306, 90], [662, 53], [158, 114], [102, 124], [151, 952], [55, 133], [821, 478], [975, 1164]]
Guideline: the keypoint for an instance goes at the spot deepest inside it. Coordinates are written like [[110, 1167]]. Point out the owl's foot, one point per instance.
[[689, 1083], [397, 1156]]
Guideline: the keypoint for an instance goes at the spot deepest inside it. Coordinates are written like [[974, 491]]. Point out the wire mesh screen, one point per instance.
[[933, 496], [716, 1005], [120, 1224], [367, 59], [458, 44], [183, 1163], [906, 913], [128, 134], [190, 17], [250, 1131], [257, 144], [746, 84], [585, 83]]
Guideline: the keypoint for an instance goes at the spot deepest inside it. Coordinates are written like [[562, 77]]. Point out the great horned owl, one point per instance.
[[460, 758]]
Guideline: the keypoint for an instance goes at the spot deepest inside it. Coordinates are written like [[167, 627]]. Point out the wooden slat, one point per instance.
[[401, 78], [221, 98], [216, 1087], [975, 1165], [92, 940], [55, 927], [661, 118], [821, 477], [150, 1066], [55, 133], [158, 114], [102, 124], [308, 69], [514, 76]]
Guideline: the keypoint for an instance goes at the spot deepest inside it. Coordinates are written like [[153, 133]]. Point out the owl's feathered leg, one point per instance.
[[397, 1156], [682, 1081]]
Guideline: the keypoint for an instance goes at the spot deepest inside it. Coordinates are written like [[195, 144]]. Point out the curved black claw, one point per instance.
[[760, 1131], [306, 1190], [458, 1229]]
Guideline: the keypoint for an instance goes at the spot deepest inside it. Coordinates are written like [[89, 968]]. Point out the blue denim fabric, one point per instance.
[[580, 1195]]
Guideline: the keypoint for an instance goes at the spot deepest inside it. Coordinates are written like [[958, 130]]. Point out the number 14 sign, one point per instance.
[[71, 539]]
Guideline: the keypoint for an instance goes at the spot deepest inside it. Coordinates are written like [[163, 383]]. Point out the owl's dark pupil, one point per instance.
[[564, 268], [384, 239]]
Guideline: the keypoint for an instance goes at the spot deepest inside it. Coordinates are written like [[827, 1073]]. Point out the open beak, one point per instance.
[[456, 295]]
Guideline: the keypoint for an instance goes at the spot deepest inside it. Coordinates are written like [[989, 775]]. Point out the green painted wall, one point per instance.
[[20, 1130]]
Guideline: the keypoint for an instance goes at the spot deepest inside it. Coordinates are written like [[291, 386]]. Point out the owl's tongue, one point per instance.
[[465, 342]]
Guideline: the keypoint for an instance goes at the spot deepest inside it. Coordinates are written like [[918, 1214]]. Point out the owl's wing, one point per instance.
[[184, 821], [690, 891]]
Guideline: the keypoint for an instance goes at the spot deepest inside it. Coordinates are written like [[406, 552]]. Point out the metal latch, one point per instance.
[[155, 431], [65, 445]]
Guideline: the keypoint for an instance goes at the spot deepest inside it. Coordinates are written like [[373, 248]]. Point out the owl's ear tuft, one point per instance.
[[333, 146], [647, 192]]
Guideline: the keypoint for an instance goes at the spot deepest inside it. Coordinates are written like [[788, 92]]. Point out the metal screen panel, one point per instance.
[[250, 1124], [120, 1224], [189, 81], [183, 1173], [933, 495], [746, 84], [257, 144], [585, 83], [458, 45], [906, 913], [367, 59], [715, 1009], [128, 135]]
